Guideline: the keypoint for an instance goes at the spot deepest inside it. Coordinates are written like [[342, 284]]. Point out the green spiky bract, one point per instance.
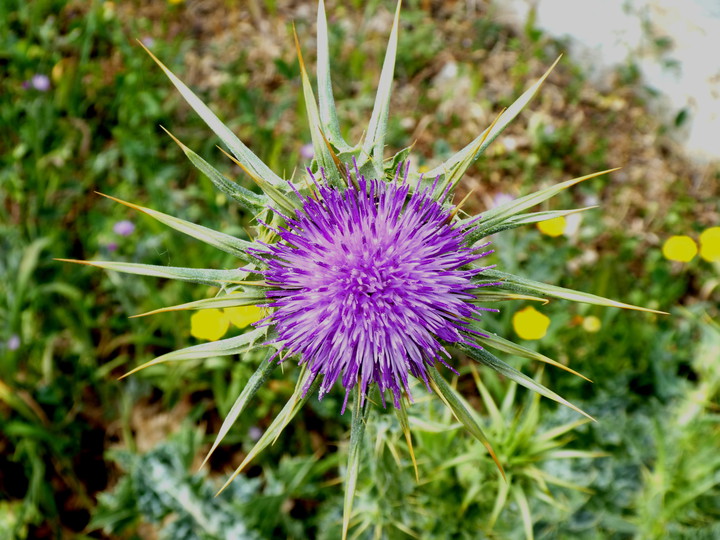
[[332, 156]]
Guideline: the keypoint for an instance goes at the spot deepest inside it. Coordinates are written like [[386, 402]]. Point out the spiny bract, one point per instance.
[[368, 276]]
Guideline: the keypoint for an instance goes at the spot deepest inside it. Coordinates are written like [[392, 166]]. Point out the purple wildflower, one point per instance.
[[369, 283], [13, 343], [307, 151], [40, 82], [124, 227]]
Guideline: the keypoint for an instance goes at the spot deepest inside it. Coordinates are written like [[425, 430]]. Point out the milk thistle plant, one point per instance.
[[369, 273]]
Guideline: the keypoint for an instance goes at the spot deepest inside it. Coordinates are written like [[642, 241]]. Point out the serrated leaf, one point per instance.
[[328, 112], [461, 411], [214, 278], [288, 412], [235, 145], [237, 299], [488, 359], [248, 392], [357, 430], [495, 217], [502, 344], [491, 133], [224, 347], [374, 144], [224, 242], [529, 286], [246, 198]]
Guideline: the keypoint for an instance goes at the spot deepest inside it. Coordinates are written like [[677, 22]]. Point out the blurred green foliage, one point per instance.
[[75, 444]]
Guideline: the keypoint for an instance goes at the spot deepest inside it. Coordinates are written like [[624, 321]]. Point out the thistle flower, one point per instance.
[[369, 275], [369, 282]]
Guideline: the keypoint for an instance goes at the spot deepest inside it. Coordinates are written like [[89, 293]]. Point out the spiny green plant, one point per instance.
[[368, 270]]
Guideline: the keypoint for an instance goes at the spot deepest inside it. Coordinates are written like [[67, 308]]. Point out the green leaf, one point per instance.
[[490, 134], [488, 359], [493, 219], [529, 286], [374, 144], [225, 347], [250, 297], [248, 392], [323, 153], [288, 412], [328, 112], [502, 344], [483, 294], [525, 513], [461, 410], [357, 430], [222, 241], [246, 198], [402, 415], [278, 197], [214, 278], [235, 145], [527, 219]]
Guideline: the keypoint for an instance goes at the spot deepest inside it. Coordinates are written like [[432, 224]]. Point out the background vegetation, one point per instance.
[[85, 455]]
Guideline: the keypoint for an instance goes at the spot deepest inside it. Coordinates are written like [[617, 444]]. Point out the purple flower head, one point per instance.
[[369, 283], [40, 82], [307, 151], [124, 227], [13, 343]]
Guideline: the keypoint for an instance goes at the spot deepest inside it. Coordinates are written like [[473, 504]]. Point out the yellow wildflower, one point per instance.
[[529, 323], [710, 244], [553, 227], [244, 315], [209, 324], [679, 248], [591, 324]]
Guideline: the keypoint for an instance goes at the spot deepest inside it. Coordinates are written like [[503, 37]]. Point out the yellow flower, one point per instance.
[[244, 315], [679, 248], [553, 227], [591, 324], [529, 323], [710, 244], [210, 324]]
